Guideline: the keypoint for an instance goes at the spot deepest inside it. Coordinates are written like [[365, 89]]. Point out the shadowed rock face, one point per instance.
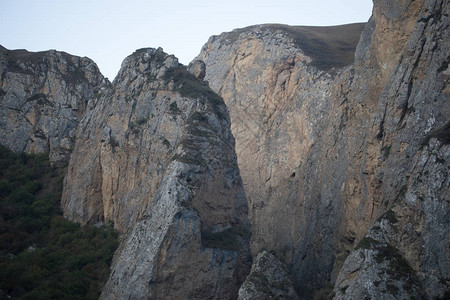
[[324, 153], [43, 96], [268, 279], [156, 157], [344, 161]]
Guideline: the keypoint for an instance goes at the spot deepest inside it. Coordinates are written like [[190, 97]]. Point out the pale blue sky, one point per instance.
[[108, 31]]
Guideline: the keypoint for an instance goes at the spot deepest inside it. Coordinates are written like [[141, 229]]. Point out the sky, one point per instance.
[[108, 31]]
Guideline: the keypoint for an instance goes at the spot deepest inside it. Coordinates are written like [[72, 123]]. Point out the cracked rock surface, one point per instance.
[[43, 96], [326, 149], [156, 157]]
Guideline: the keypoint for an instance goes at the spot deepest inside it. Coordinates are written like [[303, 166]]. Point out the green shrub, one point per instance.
[[43, 255], [386, 150], [366, 243], [390, 216], [141, 121], [5, 188], [166, 143]]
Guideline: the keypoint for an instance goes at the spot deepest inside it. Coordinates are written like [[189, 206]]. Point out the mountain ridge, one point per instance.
[[344, 162], [328, 46]]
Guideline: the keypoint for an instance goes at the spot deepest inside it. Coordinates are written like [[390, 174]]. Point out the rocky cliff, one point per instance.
[[342, 140], [43, 96], [281, 108], [156, 157], [327, 148], [405, 251]]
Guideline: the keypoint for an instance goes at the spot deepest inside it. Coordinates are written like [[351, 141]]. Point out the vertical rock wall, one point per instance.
[[325, 152], [403, 253], [344, 162], [43, 96], [287, 125], [156, 157]]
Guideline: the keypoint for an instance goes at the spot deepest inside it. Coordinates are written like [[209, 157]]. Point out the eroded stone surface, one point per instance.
[[323, 153], [156, 157], [43, 96], [282, 108], [268, 279]]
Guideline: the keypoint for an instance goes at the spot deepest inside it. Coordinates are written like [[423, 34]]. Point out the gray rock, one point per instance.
[[198, 69], [43, 96], [268, 279], [280, 109], [405, 253], [156, 157], [344, 161], [171, 62], [325, 152]]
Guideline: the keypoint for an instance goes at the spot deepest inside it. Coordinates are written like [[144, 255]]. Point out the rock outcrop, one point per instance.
[[326, 149], [156, 157], [43, 96], [268, 279]]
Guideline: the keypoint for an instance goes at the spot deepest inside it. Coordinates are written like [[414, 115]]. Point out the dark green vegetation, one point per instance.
[[42, 255], [398, 264], [390, 216], [173, 108], [14, 59], [366, 243], [386, 150]]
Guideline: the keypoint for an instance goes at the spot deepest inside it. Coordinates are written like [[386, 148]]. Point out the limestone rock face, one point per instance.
[[325, 152], [156, 157], [268, 279], [409, 179], [280, 103], [343, 147], [405, 253], [43, 96]]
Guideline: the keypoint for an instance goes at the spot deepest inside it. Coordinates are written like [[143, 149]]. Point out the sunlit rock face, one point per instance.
[[404, 253], [43, 96], [290, 131], [326, 147], [342, 141], [156, 157]]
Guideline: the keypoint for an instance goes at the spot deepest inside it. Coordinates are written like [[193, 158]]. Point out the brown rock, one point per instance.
[[323, 153]]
